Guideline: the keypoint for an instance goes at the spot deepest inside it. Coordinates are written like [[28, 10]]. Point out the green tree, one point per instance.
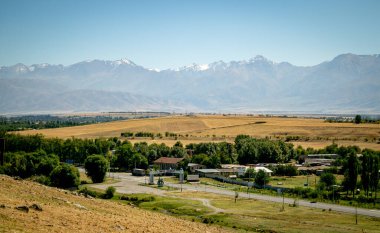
[[326, 180], [96, 167], [110, 192], [138, 161], [250, 173], [374, 176], [358, 119], [65, 176], [366, 172], [177, 152], [47, 164], [351, 173], [123, 155], [261, 178]]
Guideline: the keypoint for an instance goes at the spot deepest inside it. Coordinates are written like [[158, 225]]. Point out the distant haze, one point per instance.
[[348, 84]]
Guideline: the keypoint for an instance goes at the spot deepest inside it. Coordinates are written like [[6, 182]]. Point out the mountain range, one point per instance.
[[347, 84]]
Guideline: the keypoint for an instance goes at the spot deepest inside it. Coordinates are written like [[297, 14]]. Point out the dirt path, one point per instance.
[[131, 184], [206, 202]]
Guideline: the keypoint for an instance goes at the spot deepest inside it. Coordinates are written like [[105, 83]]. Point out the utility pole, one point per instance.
[[356, 214]]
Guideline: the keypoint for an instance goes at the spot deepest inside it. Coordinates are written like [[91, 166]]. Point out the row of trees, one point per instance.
[[42, 167], [48, 121], [251, 150], [125, 155], [367, 166]]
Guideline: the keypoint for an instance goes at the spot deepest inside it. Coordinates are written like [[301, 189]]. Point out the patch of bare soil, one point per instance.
[[26, 206]]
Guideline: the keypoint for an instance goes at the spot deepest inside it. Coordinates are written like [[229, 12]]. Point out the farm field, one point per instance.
[[308, 132]]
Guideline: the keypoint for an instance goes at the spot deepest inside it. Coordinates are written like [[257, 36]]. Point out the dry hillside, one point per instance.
[[203, 128], [63, 211]]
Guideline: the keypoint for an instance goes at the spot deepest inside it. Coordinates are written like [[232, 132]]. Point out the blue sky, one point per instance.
[[169, 34]]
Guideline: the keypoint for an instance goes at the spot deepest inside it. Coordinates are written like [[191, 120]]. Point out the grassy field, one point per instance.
[[257, 216], [314, 133]]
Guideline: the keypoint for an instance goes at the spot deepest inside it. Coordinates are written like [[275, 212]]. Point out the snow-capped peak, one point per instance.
[[124, 61], [194, 67], [38, 66], [257, 58], [154, 69]]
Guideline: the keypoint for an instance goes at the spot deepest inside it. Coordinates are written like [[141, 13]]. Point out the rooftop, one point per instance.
[[168, 160]]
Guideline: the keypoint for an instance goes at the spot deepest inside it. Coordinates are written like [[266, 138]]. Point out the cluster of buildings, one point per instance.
[[226, 170], [317, 163], [313, 163]]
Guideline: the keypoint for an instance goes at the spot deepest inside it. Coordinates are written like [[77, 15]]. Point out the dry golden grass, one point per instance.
[[202, 128], [65, 212]]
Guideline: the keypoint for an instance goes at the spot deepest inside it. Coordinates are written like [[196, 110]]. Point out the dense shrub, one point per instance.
[[45, 180], [285, 170], [65, 176], [144, 134], [110, 192], [327, 180], [96, 167], [47, 164], [137, 200], [127, 134], [88, 192], [261, 178]]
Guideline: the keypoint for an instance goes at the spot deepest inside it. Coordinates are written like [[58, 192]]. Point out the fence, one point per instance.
[[243, 183]]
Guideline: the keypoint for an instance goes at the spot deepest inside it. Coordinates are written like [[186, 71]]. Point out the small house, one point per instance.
[[204, 172], [167, 163], [266, 170]]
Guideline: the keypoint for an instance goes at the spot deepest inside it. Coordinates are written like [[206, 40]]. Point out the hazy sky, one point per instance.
[[169, 34]]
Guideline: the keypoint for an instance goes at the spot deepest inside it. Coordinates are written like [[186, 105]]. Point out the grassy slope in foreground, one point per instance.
[[65, 212]]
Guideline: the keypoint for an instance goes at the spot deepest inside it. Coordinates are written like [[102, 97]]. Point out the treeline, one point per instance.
[[129, 134], [140, 134], [41, 167], [35, 155], [251, 150], [366, 167], [123, 155], [48, 121], [357, 119]]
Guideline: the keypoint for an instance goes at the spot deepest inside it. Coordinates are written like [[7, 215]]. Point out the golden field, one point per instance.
[[312, 132]]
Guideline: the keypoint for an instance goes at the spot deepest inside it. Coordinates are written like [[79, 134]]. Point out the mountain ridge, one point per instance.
[[347, 83]]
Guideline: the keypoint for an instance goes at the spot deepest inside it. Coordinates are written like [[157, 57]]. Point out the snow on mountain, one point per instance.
[[349, 82], [124, 61]]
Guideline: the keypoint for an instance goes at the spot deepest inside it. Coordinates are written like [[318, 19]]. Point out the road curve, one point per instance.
[[326, 206], [132, 184]]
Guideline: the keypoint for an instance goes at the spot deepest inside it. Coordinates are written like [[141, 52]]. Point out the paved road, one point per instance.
[[278, 199], [130, 184]]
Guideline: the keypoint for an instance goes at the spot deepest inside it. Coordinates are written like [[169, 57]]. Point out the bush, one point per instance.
[[261, 178], [45, 180], [47, 164], [137, 200], [313, 194], [96, 167], [328, 179], [127, 134], [5, 169], [88, 192], [65, 176], [110, 192], [285, 170]]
